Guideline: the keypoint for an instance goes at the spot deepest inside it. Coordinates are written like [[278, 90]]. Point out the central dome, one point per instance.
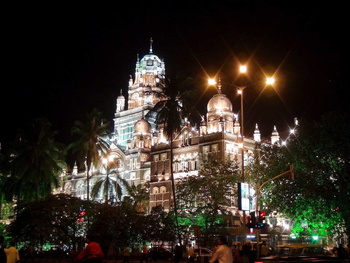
[[219, 102]]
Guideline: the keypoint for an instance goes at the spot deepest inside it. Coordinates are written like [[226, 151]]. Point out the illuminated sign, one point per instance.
[[245, 197]]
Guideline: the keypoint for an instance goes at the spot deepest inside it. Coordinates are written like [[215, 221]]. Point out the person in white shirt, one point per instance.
[[12, 253], [223, 253]]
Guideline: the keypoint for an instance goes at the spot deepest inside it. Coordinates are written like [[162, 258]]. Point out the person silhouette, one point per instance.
[[92, 252]]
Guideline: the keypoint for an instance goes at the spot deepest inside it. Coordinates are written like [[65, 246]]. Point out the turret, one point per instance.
[[257, 135], [275, 138], [120, 102]]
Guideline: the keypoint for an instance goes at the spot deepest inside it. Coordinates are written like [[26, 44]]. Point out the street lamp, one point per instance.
[[212, 82], [269, 81], [242, 69]]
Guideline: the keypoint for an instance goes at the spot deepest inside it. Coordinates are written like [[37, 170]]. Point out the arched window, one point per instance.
[[163, 189], [68, 188], [155, 190], [80, 189]]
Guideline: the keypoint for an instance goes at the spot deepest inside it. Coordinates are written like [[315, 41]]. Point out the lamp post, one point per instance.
[[269, 81], [242, 69], [257, 208], [240, 91]]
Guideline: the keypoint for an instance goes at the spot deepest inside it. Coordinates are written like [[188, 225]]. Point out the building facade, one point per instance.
[[141, 150]]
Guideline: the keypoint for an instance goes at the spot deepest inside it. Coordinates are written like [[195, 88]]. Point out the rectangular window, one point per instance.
[[164, 156], [134, 163], [156, 158], [183, 166]]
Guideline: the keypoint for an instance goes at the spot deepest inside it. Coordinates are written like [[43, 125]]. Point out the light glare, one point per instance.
[[270, 81], [243, 69], [211, 81]]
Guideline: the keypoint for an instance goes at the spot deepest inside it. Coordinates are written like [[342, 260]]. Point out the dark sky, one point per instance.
[[61, 60]]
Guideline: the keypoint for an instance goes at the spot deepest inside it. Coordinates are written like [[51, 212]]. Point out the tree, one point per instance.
[[115, 224], [264, 163], [111, 182], [35, 162], [52, 220], [159, 226], [204, 199], [140, 196], [319, 154], [90, 142], [171, 111]]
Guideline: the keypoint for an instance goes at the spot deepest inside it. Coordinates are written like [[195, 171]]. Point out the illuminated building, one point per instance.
[[142, 151]]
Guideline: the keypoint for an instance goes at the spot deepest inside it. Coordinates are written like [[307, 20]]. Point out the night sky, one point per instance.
[[62, 60]]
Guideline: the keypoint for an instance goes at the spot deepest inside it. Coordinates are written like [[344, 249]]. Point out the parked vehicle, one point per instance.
[[299, 253], [203, 254]]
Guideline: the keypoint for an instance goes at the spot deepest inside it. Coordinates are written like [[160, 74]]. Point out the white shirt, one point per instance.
[[223, 254]]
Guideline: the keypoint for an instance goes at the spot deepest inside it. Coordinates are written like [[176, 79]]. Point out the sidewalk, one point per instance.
[[52, 260]]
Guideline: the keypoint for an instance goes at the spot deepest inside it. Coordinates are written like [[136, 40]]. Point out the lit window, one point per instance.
[[163, 189], [164, 156]]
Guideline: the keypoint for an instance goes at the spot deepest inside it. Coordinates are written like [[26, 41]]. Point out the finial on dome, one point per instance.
[[219, 86], [150, 46], [296, 122]]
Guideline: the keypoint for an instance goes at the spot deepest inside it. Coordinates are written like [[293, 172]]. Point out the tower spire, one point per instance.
[[219, 86], [150, 46]]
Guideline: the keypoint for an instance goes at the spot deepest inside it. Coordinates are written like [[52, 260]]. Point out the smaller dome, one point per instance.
[[142, 126]]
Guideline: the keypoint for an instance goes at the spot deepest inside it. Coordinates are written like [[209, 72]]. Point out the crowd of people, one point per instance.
[[222, 252]]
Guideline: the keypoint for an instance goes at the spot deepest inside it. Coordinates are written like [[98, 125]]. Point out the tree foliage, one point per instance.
[[170, 113], [204, 198], [52, 220], [110, 182], [139, 195], [90, 142], [33, 164], [58, 220], [320, 192]]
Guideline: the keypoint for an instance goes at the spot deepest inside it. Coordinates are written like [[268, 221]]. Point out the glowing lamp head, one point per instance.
[[243, 69], [211, 82], [270, 81]]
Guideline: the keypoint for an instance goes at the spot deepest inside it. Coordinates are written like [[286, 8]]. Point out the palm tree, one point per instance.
[[170, 113], [110, 183], [36, 161], [90, 142], [140, 196]]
